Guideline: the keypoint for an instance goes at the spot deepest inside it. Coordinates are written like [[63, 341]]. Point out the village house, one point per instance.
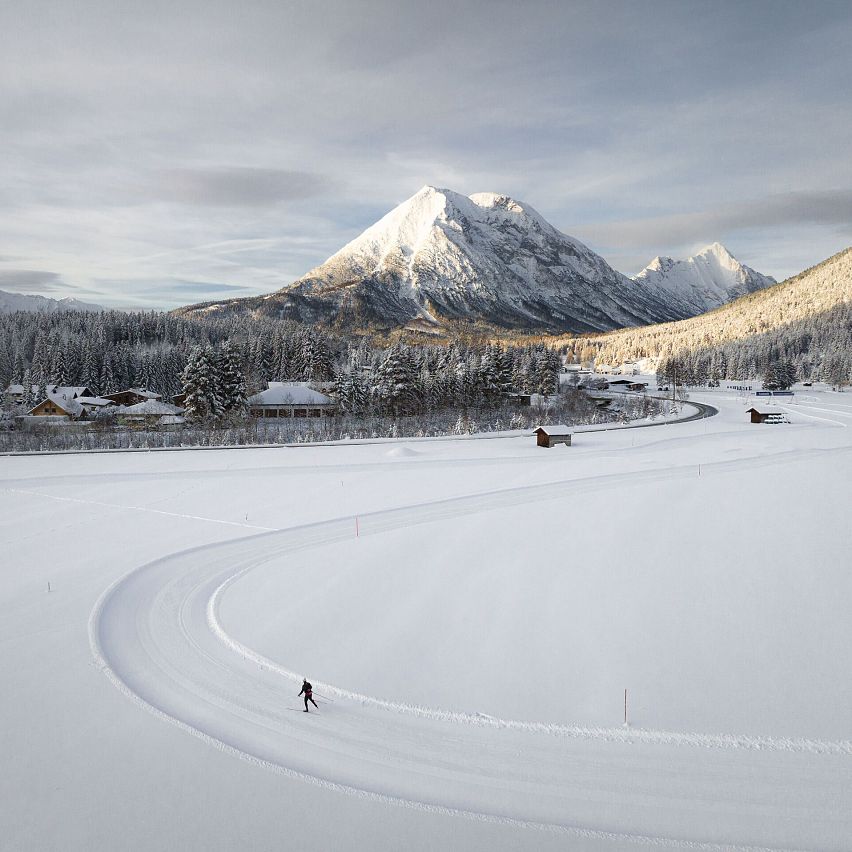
[[550, 436], [151, 412], [291, 399], [131, 396], [15, 393], [67, 401]]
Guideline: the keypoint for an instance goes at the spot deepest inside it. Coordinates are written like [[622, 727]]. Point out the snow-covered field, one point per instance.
[[472, 634]]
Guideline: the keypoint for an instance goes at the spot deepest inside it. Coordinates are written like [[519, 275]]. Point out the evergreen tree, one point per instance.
[[395, 382], [232, 386], [200, 385]]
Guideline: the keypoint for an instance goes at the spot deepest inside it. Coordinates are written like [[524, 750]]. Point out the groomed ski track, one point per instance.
[[156, 633]]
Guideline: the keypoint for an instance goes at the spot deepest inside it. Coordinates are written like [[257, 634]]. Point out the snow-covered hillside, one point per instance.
[[469, 612], [440, 257], [10, 302], [804, 317], [701, 282]]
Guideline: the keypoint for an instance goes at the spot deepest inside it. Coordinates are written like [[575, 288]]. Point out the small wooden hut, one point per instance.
[[766, 415], [550, 436]]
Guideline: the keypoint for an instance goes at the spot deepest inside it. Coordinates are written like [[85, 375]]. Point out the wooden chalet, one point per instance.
[[66, 401], [550, 436]]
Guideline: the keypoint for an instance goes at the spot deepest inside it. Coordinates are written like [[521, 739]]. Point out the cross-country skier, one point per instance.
[[308, 690]]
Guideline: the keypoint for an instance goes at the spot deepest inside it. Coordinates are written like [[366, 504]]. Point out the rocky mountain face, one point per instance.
[[441, 257], [10, 302], [700, 283]]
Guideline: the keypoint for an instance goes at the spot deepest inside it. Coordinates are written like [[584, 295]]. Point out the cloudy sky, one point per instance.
[[157, 154]]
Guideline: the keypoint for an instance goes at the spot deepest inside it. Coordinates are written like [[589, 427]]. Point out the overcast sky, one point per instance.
[[157, 154]]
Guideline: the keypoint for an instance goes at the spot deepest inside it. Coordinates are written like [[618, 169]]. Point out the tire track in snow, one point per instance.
[[157, 636]]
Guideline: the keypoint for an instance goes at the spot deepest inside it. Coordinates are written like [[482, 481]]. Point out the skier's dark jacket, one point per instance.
[[307, 689]]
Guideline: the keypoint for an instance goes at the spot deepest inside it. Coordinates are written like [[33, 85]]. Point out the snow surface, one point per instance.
[[471, 638], [701, 282]]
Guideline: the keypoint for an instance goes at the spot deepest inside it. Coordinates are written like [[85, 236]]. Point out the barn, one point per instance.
[[550, 436]]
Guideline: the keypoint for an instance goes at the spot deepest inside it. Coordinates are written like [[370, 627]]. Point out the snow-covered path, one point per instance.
[[192, 637]]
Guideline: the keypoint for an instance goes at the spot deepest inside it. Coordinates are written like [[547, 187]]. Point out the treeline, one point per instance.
[[219, 361], [816, 349]]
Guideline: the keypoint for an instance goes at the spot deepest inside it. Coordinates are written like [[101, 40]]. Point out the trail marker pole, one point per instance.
[[357, 533], [625, 708], [48, 585]]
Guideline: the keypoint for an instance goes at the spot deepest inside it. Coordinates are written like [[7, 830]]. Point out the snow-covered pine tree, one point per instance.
[[90, 375], [394, 382], [200, 385], [232, 386], [27, 401]]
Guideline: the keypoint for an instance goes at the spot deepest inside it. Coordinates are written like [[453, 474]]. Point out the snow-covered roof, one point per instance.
[[13, 390], [96, 401], [67, 391], [151, 406], [143, 392], [63, 401], [554, 429], [290, 393]]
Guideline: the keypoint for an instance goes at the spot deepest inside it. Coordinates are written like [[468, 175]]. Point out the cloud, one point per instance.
[[236, 186], [172, 292], [790, 209], [27, 280], [176, 142]]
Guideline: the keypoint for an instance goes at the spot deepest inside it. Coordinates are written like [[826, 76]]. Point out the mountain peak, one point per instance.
[[716, 251], [703, 281], [441, 256]]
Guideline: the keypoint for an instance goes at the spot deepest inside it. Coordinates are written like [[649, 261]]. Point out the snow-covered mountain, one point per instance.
[[806, 317], [10, 302], [441, 257], [702, 282]]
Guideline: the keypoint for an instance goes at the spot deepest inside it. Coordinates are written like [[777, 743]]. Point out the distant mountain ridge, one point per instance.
[[10, 302], [441, 257], [779, 314], [701, 282]]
